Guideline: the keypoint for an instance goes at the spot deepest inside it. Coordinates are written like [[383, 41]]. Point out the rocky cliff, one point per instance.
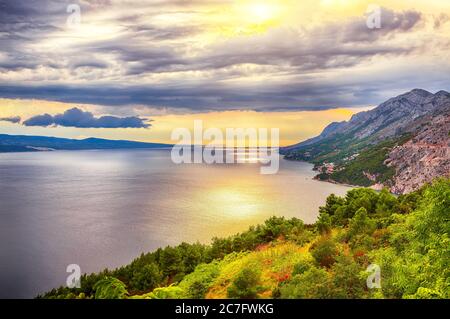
[[423, 158]]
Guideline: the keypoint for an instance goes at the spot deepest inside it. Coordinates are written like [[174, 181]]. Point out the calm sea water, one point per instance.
[[102, 209]]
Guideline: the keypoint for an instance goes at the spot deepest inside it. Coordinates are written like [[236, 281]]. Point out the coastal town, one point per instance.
[[330, 168]]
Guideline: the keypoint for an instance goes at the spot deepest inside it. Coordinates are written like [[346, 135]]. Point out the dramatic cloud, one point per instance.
[[197, 55], [78, 118], [12, 119]]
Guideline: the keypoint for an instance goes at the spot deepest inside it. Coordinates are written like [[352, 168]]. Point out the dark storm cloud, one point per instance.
[[78, 118], [24, 19], [40, 120], [137, 49], [13, 11], [332, 46], [142, 60], [12, 119], [207, 97], [11, 65], [137, 52], [23, 23], [90, 64], [99, 70]]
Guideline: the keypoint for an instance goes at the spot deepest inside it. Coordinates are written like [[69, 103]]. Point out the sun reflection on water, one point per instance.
[[233, 203]]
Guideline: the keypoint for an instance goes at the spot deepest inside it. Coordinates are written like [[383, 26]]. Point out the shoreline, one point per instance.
[[377, 189], [85, 149], [338, 183]]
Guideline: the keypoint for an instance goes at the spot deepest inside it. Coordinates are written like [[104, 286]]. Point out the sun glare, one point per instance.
[[335, 2], [261, 12], [251, 16]]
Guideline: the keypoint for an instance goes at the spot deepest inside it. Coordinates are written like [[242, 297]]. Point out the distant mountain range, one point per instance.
[[24, 143], [401, 144]]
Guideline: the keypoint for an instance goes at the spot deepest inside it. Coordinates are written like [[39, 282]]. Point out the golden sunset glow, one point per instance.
[[247, 17], [288, 64], [230, 198], [294, 126]]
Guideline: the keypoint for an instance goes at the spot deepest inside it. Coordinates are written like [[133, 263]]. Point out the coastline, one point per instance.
[[320, 180], [375, 187], [337, 183], [49, 150]]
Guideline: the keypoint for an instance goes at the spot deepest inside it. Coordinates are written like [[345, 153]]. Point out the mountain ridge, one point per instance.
[[418, 99]]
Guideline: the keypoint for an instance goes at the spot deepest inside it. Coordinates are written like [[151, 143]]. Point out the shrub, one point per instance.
[[361, 223], [147, 278], [324, 224], [171, 292], [346, 281], [171, 261], [246, 284], [324, 252], [315, 283], [425, 293], [301, 267], [198, 290], [197, 283], [110, 288]]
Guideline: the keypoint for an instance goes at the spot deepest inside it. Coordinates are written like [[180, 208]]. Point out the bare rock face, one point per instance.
[[398, 115], [423, 158]]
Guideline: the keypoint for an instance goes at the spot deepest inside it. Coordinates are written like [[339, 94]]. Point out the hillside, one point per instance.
[[24, 143], [375, 148], [407, 237]]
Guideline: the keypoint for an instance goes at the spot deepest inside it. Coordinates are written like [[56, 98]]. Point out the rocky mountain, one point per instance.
[[402, 144]]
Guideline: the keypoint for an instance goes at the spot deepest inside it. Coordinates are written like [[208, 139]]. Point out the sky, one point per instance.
[[138, 69]]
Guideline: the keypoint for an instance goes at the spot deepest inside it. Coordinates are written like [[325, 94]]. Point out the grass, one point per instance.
[[275, 262]]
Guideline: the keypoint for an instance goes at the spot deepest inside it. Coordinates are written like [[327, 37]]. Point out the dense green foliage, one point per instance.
[[406, 236], [332, 149]]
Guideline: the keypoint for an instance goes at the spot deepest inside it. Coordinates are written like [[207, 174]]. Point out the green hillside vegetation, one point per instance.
[[332, 149], [406, 236], [370, 159]]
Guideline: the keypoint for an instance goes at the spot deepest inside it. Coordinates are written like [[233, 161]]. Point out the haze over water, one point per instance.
[[102, 209]]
